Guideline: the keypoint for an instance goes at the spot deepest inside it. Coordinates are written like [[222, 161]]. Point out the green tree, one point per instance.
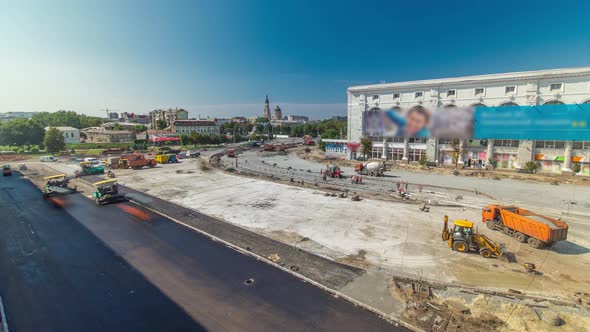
[[531, 166], [139, 128], [366, 146], [54, 140], [161, 124], [185, 139], [262, 120], [90, 121], [58, 119], [21, 132], [331, 133]]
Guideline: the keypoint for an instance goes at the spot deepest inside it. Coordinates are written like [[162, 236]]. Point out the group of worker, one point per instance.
[[356, 179]]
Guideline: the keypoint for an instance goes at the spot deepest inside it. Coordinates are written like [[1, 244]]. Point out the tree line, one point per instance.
[[331, 128]]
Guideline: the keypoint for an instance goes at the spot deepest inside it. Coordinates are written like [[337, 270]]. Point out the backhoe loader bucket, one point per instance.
[[446, 234]]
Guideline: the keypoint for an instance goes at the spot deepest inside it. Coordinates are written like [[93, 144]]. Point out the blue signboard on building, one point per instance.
[[546, 122]]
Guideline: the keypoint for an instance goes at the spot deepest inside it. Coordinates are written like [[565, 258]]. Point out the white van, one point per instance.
[[48, 158], [91, 160]]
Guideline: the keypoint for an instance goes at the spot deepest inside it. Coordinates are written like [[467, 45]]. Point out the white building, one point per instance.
[[556, 86], [71, 134], [199, 126]]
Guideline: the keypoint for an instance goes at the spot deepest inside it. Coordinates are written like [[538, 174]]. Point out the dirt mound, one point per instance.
[[204, 165], [314, 154]]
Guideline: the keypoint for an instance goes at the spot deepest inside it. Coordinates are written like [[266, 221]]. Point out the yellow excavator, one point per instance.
[[463, 238]]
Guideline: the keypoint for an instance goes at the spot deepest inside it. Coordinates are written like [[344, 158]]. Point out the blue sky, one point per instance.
[[221, 57]]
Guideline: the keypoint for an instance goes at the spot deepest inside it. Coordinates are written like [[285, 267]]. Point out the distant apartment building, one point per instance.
[[136, 118], [94, 135], [220, 122], [113, 116], [298, 118], [71, 134], [200, 126], [170, 115]]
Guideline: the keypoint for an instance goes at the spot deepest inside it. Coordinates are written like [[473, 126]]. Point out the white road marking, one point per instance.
[[3, 317]]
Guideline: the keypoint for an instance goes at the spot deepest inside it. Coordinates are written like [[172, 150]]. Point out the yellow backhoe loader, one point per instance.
[[463, 238]]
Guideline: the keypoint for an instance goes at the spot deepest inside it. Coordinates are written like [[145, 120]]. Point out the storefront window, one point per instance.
[[549, 144], [507, 142], [376, 153], [416, 154], [395, 153], [448, 141], [417, 140], [506, 160], [582, 145]]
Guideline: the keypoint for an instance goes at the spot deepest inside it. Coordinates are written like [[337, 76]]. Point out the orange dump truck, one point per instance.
[[524, 225], [136, 161]]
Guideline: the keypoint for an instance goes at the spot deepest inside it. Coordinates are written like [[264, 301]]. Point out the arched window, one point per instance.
[[478, 105], [396, 108], [508, 103], [450, 106], [553, 102]]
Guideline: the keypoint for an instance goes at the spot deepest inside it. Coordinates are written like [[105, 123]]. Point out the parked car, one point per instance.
[[47, 158]]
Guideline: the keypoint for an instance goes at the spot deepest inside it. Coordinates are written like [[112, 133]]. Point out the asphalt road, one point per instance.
[[121, 268]]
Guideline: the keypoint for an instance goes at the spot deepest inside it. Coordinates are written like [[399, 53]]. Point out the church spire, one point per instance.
[[266, 113]]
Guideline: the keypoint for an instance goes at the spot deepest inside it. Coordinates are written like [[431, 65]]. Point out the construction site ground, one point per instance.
[[396, 243]]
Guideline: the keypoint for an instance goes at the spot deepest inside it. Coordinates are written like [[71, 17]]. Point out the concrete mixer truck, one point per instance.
[[373, 168]]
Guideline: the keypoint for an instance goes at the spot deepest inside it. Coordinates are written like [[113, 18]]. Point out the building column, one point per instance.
[[490, 151], [567, 162], [460, 157], [432, 149], [526, 152], [405, 157], [384, 155]]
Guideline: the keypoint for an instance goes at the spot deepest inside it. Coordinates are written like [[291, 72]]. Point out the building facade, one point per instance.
[[71, 134], [558, 86], [170, 115], [200, 126], [107, 136]]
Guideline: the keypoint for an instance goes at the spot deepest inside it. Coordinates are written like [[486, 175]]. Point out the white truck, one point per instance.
[[373, 168]]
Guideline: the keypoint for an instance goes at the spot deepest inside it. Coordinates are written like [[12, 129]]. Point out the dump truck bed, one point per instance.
[[546, 229]]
